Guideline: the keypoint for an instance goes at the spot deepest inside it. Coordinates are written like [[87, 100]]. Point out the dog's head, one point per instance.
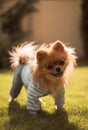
[[54, 61]]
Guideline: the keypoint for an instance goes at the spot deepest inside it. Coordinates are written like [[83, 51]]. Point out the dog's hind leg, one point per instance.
[[16, 84]]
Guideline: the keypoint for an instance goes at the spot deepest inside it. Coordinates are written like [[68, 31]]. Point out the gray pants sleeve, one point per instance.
[[17, 83], [60, 98], [33, 103]]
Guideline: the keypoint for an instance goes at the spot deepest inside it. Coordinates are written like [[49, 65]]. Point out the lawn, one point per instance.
[[74, 117]]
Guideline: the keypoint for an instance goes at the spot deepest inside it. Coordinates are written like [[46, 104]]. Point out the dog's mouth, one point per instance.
[[59, 74]]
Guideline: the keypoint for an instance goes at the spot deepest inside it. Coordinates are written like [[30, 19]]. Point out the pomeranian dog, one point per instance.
[[43, 70]]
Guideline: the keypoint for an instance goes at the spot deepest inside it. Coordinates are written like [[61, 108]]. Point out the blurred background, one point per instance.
[[43, 21]]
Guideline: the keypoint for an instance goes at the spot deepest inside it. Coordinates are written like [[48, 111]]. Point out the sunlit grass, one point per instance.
[[75, 116]]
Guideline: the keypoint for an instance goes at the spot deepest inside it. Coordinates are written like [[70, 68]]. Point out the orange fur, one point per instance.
[[52, 64]]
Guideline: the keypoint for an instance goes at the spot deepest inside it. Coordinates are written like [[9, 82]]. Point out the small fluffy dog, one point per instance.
[[43, 70]]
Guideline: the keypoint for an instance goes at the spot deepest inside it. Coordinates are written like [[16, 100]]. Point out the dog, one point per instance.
[[43, 70]]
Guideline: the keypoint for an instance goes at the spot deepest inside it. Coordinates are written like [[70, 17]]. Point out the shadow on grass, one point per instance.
[[20, 119]]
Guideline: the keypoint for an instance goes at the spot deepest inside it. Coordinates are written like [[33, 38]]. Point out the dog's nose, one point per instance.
[[58, 69]]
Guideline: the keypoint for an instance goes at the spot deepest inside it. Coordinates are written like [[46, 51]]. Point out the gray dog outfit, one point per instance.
[[23, 76]]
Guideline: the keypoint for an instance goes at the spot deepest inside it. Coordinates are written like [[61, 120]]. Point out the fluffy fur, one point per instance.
[[52, 63]]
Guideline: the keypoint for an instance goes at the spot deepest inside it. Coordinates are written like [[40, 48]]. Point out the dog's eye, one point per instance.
[[50, 66], [61, 62]]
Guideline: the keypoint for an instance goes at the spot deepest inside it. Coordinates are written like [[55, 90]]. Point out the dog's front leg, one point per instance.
[[60, 98], [33, 103]]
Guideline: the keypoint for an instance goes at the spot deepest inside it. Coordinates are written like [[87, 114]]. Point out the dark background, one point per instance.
[[11, 33]]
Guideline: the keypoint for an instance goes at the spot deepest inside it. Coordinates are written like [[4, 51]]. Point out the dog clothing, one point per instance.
[[23, 76]]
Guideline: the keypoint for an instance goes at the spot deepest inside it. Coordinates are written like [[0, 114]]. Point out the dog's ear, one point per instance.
[[41, 54], [58, 46]]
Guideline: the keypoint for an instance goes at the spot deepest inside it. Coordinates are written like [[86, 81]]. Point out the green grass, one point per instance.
[[75, 116]]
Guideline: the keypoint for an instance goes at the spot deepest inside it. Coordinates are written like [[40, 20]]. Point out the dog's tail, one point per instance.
[[22, 54]]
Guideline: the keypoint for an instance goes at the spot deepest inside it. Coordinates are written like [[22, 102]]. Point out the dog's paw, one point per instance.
[[32, 112], [11, 100]]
